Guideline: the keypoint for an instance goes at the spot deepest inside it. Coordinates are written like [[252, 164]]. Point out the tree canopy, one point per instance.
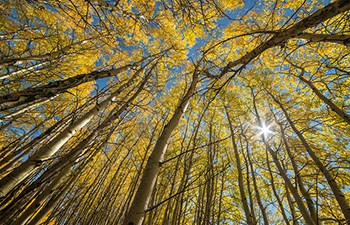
[[174, 112]]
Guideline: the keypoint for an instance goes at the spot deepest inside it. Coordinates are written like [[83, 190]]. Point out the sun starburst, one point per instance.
[[265, 130]]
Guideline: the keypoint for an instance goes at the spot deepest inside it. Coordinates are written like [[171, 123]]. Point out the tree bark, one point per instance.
[[53, 89], [33, 163], [279, 201], [256, 189], [326, 100], [317, 17], [338, 193], [304, 212], [305, 193], [136, 213], [247, 212], [331, 38]]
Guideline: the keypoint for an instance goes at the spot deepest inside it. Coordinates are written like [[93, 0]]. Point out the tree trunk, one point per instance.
[[247, 213], [294, 191], [331, 38], [136, 212], [338, 193], [249, 189], [331, 105], [274, 190], [33, 163], [53, 89], [317, 17], [305, 193], [308, 219], [256, 189]]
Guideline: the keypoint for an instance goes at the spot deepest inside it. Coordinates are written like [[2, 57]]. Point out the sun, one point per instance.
[[265, 130]]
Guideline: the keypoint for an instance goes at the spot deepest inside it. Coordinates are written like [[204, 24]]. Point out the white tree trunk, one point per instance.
[[136, 213], [331, 105], [337, 192], [45, 152]]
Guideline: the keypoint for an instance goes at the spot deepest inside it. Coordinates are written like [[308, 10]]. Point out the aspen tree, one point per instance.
[[44, 153], [93, 92], [303, 190], [338, 193], [239, 170], [341, 113], [293, 190], [137, 209]]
